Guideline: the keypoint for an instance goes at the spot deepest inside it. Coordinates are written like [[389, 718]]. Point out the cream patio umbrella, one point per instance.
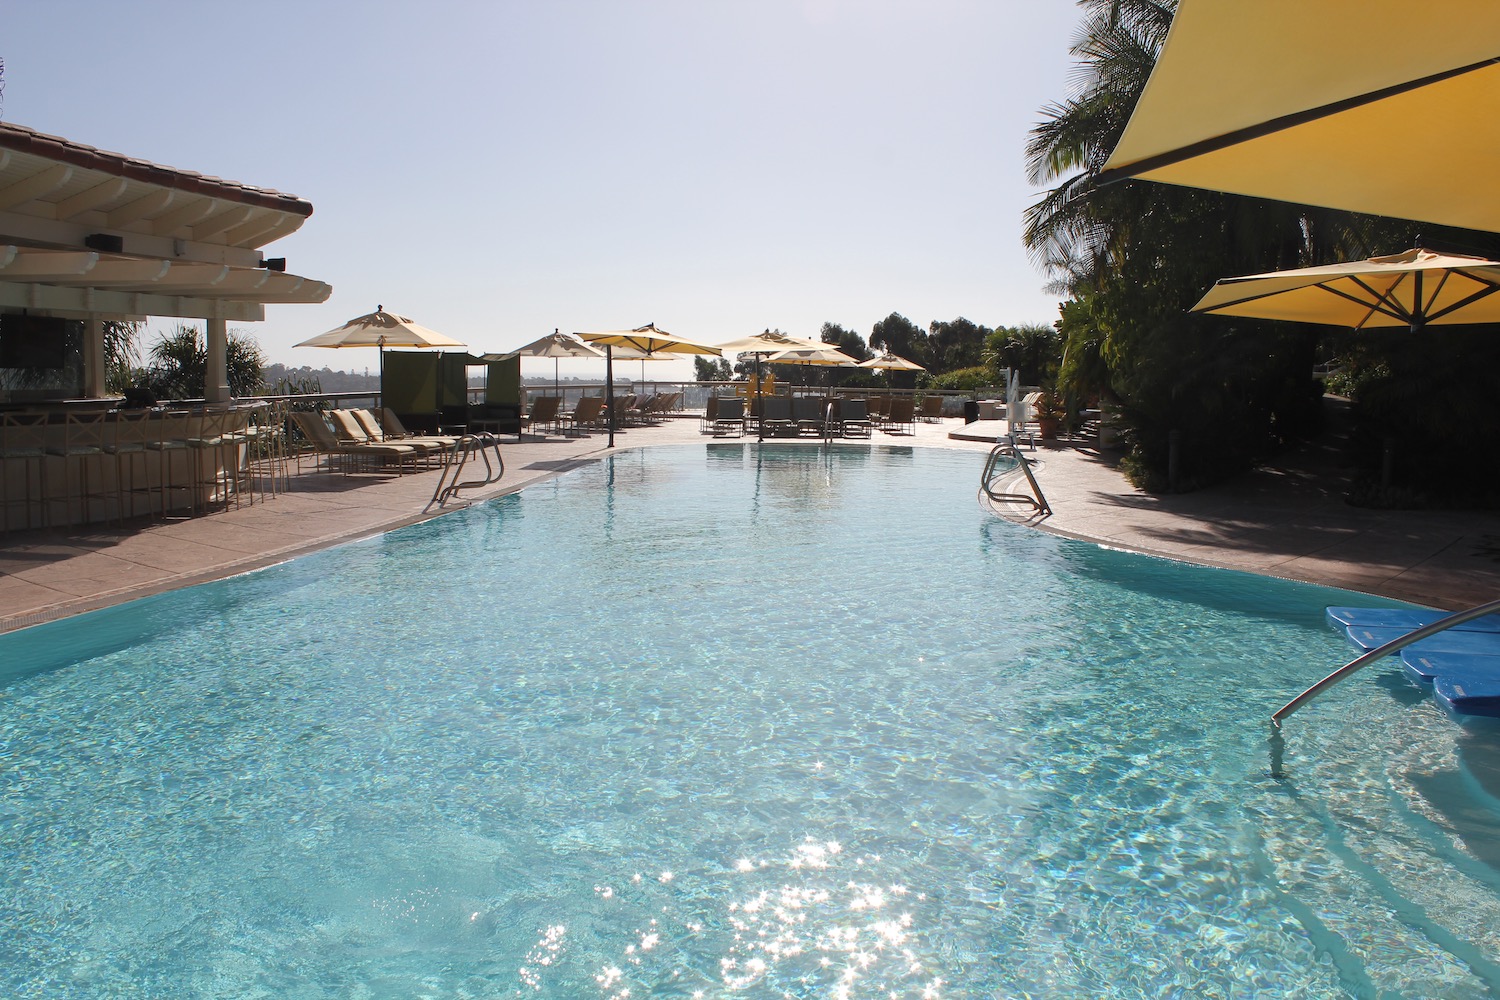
[[381, 329], [1413, 289], [649, 340], [1376, 107], [892, 362], [555, 346]]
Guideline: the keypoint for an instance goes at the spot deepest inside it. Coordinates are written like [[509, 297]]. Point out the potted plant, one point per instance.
[[1049, 409]]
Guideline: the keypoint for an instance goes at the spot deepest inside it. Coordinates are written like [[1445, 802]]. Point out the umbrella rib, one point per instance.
[[1488, 288], [1379, 303]]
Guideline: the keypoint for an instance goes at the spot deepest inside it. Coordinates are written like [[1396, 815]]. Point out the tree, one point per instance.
[[1034, 350], [710, 369], [845, 340], [955, 344], [900, 335]]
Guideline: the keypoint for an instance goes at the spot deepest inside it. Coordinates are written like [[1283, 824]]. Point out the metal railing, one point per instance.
[[992, 477]]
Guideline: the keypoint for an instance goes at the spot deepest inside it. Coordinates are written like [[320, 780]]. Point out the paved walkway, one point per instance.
[[1287, 521]]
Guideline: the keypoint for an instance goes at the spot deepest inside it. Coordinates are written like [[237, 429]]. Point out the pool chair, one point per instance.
[[902, 417], [729, 417], [587, 412], [324, 442], [932, 409], [348, 429], [776, 417], [377, 432], [543, 412], [854, 418], [807, 414]]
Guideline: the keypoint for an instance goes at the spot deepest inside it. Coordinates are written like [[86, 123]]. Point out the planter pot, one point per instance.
[[1048, 427]]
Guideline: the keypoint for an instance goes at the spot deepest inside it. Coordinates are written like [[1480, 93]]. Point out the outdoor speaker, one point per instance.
[[104, 243]]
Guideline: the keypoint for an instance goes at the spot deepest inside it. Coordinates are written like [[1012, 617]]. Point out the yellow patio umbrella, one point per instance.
[[1374, 107], [649, 340], [1412, 289]]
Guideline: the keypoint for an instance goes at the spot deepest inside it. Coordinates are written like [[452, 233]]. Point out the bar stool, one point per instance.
[[167, 438], [82, 444], [23, 439], [126, 442]]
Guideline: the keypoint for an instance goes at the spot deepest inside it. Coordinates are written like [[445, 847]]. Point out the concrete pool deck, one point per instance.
[[1287, 520]]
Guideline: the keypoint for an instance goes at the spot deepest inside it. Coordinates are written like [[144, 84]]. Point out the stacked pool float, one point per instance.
[[1461, 665]]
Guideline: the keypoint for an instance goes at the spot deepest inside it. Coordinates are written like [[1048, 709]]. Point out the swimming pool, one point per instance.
[[732, 720]]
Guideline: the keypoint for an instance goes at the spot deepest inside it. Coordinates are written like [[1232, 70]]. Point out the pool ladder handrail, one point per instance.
[[1006, 447], [828, 434], [468, 446], [1379, 652]]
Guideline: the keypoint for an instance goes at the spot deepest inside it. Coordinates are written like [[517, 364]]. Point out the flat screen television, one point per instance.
[[28, 341]]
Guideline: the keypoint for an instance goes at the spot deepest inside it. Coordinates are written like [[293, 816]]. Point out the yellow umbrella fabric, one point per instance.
[[1411, 289], [649, 341], [1374, 107]]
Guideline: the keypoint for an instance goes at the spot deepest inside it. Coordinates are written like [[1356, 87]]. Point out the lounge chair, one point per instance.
[[395, 430], [379, 432], [808, 413], [902, 417], [854, 418], [776, 417], [317, 431], [543, 412], [586, 413], [729, 418], [348, 429], [932, 409]]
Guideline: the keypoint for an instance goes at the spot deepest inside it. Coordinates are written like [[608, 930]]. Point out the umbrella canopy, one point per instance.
[[649, 341], [1411, 289], [555, 346], [381, 329], [813, 354], [1368, 110], [892, 362], [768, 342]]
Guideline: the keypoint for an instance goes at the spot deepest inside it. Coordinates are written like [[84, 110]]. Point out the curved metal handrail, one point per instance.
[[1394, 646], [1006, 447], [468, 446]]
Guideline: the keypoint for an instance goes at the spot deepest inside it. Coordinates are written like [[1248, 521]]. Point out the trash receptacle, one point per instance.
[[971, 411]]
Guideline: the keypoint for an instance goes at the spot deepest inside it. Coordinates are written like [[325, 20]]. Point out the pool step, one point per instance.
[[1461, 666]]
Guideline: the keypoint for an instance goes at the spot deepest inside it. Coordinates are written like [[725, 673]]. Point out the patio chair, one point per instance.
[[711, 412], [348, 429], [776, 417], [932, 409], [377, 432], [808, 415], [321, 436], [902, 417], [543, 412], [854, 418], [586, 413], [729, 418]]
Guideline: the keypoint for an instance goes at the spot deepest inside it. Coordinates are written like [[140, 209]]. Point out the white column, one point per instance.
[[216, 376], [93, 357]]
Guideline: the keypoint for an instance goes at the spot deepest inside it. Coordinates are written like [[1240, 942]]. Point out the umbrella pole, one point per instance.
[[760, 425], [609, 390]]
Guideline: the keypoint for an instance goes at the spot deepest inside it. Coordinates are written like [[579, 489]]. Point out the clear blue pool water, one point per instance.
[[731, 721]]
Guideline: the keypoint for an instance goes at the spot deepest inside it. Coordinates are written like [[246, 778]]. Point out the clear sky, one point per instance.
[[495, 170]]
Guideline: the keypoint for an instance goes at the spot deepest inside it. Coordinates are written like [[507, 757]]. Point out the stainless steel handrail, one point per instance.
[[1394, 646], [1006, 447], [454, 461]]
